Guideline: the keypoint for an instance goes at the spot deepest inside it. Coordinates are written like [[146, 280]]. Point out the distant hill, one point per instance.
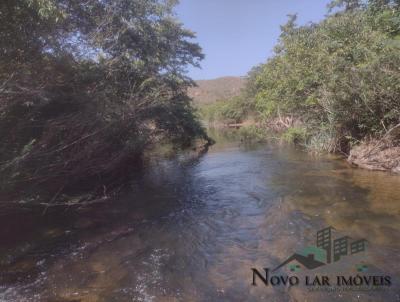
[[209, 91]]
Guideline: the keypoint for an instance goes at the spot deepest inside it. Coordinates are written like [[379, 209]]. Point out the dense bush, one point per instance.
[[296, 135], [251, 133], [340, 77], [85, 87], [223, 111]]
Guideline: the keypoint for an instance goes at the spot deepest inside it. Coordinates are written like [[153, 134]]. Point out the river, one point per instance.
[[191, 228]]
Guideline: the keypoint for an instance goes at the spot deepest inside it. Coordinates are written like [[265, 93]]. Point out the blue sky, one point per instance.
[[237, 34]]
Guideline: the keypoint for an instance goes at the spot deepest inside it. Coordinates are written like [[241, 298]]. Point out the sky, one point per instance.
[[238, 34]]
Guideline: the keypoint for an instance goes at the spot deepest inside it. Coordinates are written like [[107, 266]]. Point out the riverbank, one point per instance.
[[374, 154], [88, 194]]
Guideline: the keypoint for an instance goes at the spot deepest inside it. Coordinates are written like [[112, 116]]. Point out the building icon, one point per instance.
[[358, 246], [324, 241], [340, 248], [328, 250]]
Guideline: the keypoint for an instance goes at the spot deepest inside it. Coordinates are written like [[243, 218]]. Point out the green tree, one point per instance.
[[348, 5], [339, 76], [86, 87]]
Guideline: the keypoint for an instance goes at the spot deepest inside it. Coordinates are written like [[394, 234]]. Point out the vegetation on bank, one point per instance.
[[223, 112], [334, 83], [232, 110], [86, 87], [340, 77]]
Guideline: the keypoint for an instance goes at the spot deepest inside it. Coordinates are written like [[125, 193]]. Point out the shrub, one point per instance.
[[341, 73], [85, 89], [252, 133], [296, 135]]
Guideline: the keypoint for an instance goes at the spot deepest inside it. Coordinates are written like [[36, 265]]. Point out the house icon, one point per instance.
[[310, 258]]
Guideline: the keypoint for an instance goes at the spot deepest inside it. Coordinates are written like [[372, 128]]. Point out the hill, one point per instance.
[[209, 91]]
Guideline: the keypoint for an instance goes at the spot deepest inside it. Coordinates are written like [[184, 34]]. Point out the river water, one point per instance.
[[191, 228]]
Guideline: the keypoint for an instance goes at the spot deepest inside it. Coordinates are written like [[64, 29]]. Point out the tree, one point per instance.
[[348, 5], [86, 87], [339, 77]]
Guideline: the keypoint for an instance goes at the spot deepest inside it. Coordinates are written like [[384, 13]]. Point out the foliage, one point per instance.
[[251, 133], [341, 74], [296, 135], [224, 111], [85, 87]]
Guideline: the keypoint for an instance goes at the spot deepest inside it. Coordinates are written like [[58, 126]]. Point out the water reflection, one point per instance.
[[191, 228]]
